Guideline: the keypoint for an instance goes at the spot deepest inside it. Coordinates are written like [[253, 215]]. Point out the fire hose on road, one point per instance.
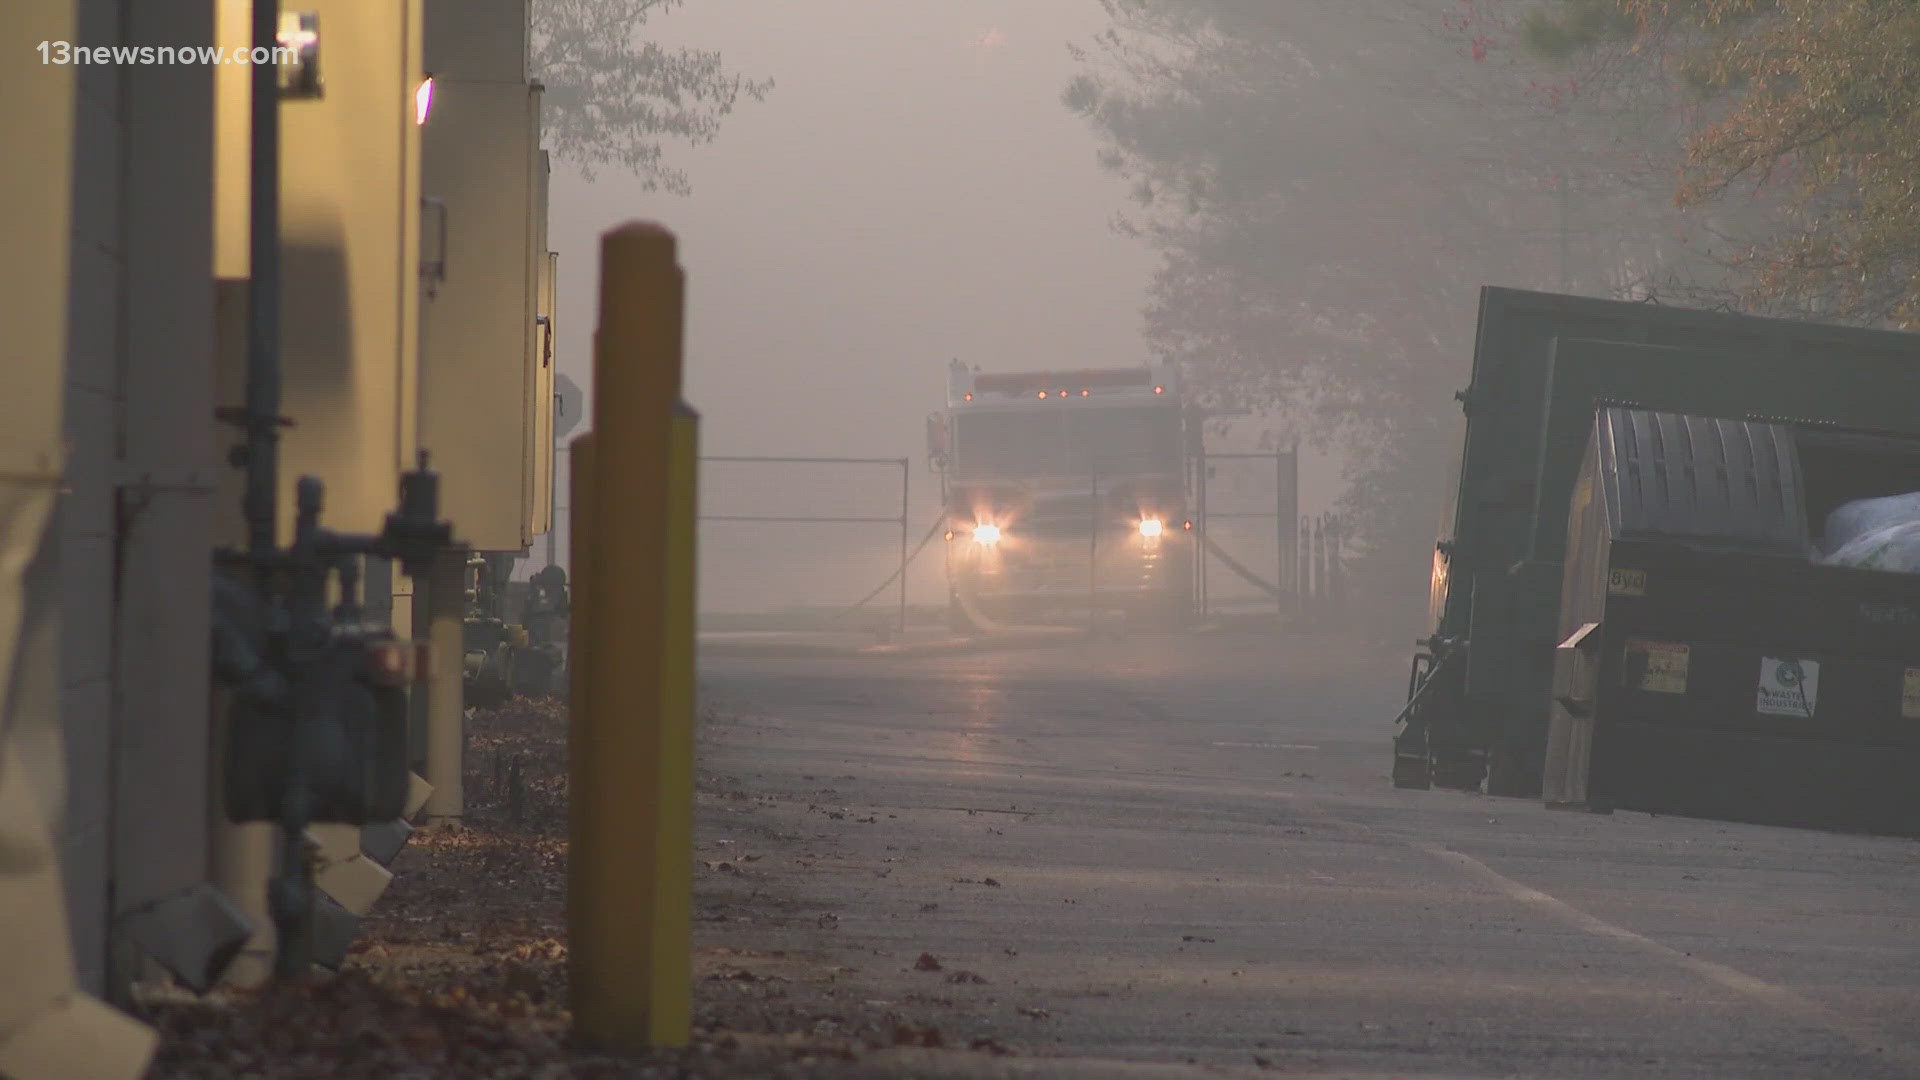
[[970, 609], [938, 522], [986, 625], [1234, 565]]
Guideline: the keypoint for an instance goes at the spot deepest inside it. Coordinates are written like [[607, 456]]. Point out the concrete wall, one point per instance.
[[133, 526], [35, 215], [170, 454], [93, 403]]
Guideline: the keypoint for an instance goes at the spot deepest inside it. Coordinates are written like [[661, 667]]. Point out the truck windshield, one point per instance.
[[1031, 443]]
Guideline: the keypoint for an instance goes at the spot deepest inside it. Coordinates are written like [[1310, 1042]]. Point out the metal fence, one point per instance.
[[1322, 585], [901, 521]]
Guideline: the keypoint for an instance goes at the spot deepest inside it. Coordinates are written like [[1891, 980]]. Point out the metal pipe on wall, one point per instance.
[[242, 855], [263, 289]]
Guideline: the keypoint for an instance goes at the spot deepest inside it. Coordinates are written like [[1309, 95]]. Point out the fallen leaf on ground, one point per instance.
[[905, 1035]]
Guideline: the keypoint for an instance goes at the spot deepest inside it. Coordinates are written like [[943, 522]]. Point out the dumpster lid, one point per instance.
[[1721, 482]]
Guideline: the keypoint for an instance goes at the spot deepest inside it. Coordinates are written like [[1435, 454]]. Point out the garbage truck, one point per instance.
[[1480, 685], [1066, 492]]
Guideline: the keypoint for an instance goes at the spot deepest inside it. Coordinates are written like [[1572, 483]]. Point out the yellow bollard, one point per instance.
[[579, 527], [672, 1016], [629, 864], [578, 700]]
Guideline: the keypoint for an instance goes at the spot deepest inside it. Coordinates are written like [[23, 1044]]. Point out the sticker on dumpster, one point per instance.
[[1626, 582], [1910, 695], [1788, 687], [1658, 666]]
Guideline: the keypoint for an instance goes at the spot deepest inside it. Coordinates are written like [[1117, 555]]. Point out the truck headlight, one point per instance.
[[986, 534], [1151, 527]]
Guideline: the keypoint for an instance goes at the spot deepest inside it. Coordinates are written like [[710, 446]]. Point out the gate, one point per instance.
[[1218, 528], [898, 522]]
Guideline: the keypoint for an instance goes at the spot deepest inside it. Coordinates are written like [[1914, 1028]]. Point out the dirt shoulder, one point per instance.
[[461, 970]]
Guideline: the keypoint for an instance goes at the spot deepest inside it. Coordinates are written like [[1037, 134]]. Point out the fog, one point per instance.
[[912, 190], [1297, 203]]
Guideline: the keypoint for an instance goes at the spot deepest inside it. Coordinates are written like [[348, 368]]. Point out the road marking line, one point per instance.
[[1266, 745], [1780, 998]]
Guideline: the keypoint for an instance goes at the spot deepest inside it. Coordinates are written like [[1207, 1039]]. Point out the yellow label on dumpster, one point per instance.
[[1626, 582], [1910, 695], [1658, 666]]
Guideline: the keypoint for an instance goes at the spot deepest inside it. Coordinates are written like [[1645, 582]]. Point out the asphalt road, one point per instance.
[[1185, 850]]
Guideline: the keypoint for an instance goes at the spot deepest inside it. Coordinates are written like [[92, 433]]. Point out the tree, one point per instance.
[[1328, 196], [613, 99], [1814, 101]]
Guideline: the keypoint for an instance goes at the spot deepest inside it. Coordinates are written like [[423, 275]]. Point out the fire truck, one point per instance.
[[1065, 492]]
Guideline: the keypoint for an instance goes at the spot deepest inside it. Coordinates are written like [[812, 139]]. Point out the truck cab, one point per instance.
[[1066, 492]]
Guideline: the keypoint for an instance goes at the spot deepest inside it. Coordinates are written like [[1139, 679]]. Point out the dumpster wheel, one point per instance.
[[1514, 771], [1459, 772], [1411, 771]]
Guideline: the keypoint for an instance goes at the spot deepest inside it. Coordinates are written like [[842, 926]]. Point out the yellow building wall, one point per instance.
[[350, 257], [483, 348], [38, 133], [545, 346]]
